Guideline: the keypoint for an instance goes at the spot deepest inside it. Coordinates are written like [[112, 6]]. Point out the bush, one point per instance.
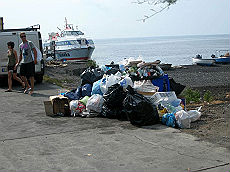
[[52, 80], [192, 95], [92, 63], [208, 96]]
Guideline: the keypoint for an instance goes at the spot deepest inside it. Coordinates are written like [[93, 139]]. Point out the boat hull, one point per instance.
[[222, 60], [204, 62], [165, 66], [77, 54]]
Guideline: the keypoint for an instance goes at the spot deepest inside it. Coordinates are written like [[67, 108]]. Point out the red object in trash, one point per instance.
[[80, 108]]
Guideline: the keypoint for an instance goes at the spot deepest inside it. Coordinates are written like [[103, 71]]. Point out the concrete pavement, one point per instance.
[[31, 141]]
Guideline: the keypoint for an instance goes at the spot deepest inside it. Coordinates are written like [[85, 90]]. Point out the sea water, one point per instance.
[[177, 50]]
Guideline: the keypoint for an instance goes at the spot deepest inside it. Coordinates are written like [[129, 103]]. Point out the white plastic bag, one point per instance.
[[123, 62], [194, 114], [73, 106], [109, 80], [95, 103], [126, 81], [183, 119]]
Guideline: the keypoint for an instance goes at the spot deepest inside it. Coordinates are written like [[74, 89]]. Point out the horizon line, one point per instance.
[[164, 36]]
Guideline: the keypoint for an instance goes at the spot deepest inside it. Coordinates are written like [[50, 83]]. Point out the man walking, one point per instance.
[[27, 70]]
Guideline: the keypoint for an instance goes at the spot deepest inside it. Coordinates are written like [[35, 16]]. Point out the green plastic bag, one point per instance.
[[84, 100]]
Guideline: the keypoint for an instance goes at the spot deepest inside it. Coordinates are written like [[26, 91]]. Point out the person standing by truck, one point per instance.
[[12, 67], [28, 59]]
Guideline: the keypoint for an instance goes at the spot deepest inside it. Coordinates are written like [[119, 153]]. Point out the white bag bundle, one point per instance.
[[73, 106], [183, 119], [95, 103], [195, 114], [126, 81], [109, 80]]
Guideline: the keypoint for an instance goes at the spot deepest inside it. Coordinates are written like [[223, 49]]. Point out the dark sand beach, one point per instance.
[[214, 123]]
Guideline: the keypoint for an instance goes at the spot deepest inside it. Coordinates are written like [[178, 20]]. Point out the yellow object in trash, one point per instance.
[[162, 112]]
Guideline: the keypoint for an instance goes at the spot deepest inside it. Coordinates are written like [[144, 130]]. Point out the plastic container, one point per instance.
[[145, 87], [163, 97], [162, 82]]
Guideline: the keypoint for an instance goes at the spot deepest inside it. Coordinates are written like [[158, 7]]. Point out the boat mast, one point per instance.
[[66, 25]]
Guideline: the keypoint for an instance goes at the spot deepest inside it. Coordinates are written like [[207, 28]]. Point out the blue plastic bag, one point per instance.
[[169, 120], [96, 88], [78, 92], [72, 96], [86, 90]]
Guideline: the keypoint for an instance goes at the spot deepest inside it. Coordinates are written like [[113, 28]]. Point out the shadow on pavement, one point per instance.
[[40, 95]]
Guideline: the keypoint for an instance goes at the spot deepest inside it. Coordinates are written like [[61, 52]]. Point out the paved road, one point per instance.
[[31, 141]]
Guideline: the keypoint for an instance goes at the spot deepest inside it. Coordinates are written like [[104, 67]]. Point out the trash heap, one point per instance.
[[132, 90]]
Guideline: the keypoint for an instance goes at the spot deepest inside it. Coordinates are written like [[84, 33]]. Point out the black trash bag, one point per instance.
[[91, 75], [98, 74], [114, 96], [113, 102], [108, 112], [114, 68], [177, 87], [112, 71], [114, 113], [140, 111]]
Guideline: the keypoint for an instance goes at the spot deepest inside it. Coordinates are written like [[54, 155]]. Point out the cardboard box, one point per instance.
[[48, 108], [146, 93], [59, 103]]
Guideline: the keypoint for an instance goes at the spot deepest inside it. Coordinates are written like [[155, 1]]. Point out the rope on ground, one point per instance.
[[203, 169]]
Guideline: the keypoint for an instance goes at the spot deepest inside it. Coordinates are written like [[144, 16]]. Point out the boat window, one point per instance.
[[90, 41], [75, 33], [63, 43], [72, 42]]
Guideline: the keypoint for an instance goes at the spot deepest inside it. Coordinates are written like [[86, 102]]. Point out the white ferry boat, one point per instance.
[[69, 44]]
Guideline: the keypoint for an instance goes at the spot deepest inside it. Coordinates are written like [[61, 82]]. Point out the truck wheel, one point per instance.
[[42, 67]]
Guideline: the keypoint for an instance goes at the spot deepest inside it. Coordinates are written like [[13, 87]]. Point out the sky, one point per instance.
[[102, 19]]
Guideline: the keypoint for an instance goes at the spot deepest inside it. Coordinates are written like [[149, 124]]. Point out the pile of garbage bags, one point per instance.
[[135, 91], [112, 96], [173, 111]]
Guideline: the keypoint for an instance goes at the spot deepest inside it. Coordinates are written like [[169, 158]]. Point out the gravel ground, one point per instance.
[[69, 73], [202, 76], [214, 123]]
